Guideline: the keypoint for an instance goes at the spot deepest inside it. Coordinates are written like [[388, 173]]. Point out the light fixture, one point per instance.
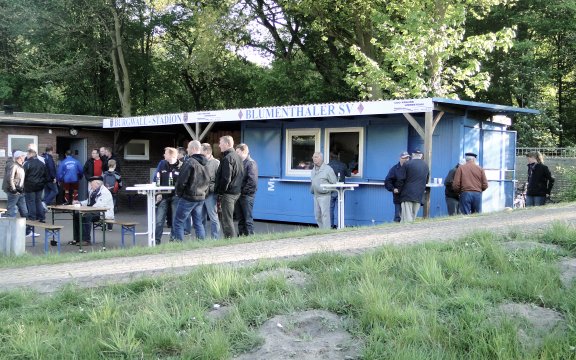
[[73, 132]]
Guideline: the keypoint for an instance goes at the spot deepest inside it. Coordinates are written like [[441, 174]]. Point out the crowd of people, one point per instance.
[[205, 187], [33, 182]]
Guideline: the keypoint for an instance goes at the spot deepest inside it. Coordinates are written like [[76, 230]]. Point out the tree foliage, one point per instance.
[[123, 57]]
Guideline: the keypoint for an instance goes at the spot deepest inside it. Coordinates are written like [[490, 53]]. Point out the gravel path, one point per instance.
[[47, 278]]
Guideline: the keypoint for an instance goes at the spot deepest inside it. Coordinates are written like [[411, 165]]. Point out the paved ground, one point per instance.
[[46, 278]]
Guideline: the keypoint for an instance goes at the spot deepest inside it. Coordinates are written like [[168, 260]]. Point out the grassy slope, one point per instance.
[[430, 301]]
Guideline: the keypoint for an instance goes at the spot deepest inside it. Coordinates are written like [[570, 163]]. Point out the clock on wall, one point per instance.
[[73, 132]]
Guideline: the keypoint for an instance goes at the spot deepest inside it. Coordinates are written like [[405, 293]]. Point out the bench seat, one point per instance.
[[49, 231]]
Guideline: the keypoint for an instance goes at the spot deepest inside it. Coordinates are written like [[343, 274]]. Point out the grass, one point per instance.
[[428, 301]]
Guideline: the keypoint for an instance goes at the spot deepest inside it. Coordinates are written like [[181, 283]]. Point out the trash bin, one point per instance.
[[12, 236]]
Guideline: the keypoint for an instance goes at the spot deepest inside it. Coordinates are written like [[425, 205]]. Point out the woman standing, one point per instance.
[[540, 180]]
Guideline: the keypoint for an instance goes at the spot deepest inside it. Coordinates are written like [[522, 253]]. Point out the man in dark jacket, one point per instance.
[[245, 203], [452, 197], [51, 187], [341, 170], [412, 185], [228, 183], [95, 166], [166, 169], [391, 184], [36, 177], [191, 187]]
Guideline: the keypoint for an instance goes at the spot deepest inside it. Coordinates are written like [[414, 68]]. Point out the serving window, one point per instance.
[[346, 145], [301, 144]]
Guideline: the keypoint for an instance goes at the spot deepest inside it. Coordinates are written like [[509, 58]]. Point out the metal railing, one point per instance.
[[548, 152]]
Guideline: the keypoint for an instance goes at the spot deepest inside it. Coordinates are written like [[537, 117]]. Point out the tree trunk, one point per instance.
[[121, 76]]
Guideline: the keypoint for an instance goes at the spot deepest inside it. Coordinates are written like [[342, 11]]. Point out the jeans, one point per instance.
[[227, 203], [87, 220], [50, 192], [162, 213], [244, 207], [470, 202], [17, 202], [322, 210], [334, 208], [535, 200], [211, 212], [397, 212], [184, 209], [453, 206], [34, 204]]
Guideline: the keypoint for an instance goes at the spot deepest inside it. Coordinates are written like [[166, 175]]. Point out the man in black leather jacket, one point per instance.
[[228, 183]]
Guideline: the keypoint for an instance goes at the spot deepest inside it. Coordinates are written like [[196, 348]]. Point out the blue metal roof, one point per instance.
[[485, 106]]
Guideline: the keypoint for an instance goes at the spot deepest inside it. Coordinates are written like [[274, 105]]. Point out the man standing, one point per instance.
[[166, 169], [210, 203], [228, 183], [94, 166], [470, 181], [51, 187], [452, 197], [391, 184], [34, 182], [191, 187], [341, 170], [13, 186], [321, 174], [245, 203], [412, 185], [69, 174], [111, 156]]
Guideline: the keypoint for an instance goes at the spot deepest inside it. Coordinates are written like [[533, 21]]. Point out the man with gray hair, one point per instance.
[[470, 181], [321, 174], [228, 183], [191, 187]]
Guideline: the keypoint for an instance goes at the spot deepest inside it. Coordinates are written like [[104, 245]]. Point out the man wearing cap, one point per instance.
[[98, 196], [13, 186], [412, 185], [470, 181], [391, 184]]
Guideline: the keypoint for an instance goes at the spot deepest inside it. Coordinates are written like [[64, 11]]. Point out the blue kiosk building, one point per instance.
[[368, 136]]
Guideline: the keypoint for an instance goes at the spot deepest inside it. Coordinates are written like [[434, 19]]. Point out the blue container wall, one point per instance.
[[284, 198]]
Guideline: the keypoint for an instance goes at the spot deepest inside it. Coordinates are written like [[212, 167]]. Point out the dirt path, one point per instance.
[[47, 278]]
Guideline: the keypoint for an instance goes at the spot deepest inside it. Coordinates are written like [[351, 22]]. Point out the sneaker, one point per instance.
[[30, 234], [44, 206]]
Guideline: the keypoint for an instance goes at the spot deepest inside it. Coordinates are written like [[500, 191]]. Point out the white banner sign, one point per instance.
[[278, 112]]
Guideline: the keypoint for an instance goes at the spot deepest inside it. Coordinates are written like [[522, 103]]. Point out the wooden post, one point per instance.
[[428, 131]]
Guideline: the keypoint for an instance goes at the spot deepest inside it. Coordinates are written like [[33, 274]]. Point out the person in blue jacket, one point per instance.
[[391, 184], [69, 175]]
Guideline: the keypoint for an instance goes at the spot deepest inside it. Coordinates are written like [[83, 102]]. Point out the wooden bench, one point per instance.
[[127, 227], [49, 231]]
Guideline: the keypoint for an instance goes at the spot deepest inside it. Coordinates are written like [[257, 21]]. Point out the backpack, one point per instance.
[[111, 182]]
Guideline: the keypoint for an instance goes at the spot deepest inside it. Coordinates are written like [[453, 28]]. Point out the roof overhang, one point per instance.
[[342, 109], [63, 120]]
